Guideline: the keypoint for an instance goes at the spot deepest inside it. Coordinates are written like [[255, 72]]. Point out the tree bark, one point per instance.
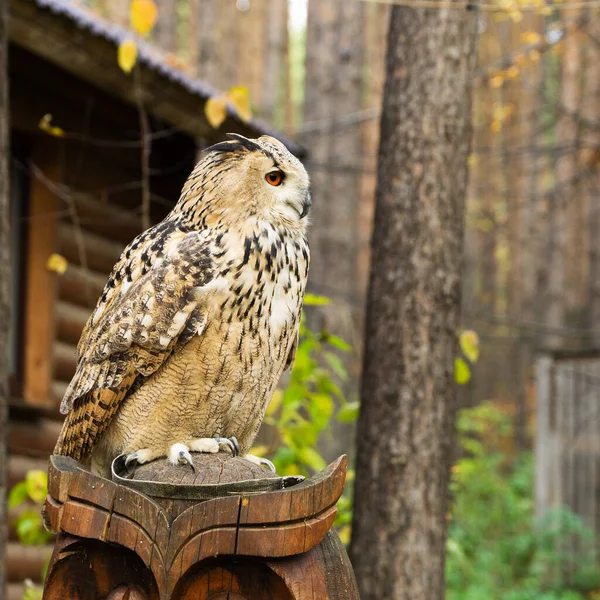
[[406, 424], [5, 276]]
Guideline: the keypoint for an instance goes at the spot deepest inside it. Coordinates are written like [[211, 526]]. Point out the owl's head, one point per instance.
[[242, 178]]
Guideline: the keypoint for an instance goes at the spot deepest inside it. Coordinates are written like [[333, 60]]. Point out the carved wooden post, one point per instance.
[[231, 530]]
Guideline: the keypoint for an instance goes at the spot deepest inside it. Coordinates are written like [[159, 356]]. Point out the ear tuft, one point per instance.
[[244, 141]]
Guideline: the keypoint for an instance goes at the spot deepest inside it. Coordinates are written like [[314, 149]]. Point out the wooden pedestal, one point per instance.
[[229, 531]]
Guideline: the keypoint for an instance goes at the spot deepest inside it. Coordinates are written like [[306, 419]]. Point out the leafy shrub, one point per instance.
[[495, 548], [28, 524]]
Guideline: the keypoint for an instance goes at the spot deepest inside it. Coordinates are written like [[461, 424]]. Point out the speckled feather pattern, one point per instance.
[[200, 315]]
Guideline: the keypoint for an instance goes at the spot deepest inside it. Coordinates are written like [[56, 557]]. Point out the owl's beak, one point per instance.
[[306, 204]]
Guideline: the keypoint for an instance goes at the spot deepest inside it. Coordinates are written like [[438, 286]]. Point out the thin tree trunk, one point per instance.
[[5, 278], [333, 89], [274, 78], [589, 158], [563, 274], [406, 424], [165, 32], [376, 23], [117, 11]]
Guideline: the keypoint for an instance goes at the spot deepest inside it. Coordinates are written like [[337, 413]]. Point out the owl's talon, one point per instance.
[[131, 459], [230, 443], [265, 462], [179, 454], [186, 457], [262, 462], [140, 457]]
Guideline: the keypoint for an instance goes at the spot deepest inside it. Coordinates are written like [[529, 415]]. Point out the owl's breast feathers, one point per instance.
[[169, 284]]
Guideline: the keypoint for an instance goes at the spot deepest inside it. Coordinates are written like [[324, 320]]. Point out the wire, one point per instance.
[[462, 5]]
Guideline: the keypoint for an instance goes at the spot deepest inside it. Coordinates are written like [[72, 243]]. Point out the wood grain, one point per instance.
[[39, 317]]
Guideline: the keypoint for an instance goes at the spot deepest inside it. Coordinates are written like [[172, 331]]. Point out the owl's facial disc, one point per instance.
[[289, 192], [284, 180]]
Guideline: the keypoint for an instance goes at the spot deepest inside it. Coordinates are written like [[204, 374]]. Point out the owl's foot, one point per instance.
[[262, 462], [211, 445], [141, 457], [180, 454]]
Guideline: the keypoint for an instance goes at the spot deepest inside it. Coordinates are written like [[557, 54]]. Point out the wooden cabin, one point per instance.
[[81, 196]]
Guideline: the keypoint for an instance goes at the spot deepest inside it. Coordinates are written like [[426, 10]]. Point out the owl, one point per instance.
[[199, 316]]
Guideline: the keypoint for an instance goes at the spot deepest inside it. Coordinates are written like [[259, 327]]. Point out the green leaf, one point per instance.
[[462, 373], [338, 342], [37, 485], [284, 457], [32, 591], [30, 528], [311, 458], [304, 435], [349, 412], [469, 344], [320, 409], [336, 364], [345, 533], [18, 495], [314, 300]]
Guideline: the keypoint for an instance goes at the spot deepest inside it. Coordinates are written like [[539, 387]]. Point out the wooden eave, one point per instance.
[[85, 45]]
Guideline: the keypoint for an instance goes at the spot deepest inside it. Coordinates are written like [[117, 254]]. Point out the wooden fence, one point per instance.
[[568, 439]]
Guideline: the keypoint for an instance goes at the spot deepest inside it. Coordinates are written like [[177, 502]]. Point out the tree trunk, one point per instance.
[[333, 92], [5, 276], [165, 32], [406, 423], [117, 11], [589, 158]]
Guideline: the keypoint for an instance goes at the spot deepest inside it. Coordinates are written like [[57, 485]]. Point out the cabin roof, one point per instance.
[[85, 44]]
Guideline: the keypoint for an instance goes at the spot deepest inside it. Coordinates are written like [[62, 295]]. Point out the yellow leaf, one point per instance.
[[45, 125], [37, 485], [127, 55], [496, 125], [512, 72], [497, 81], [215, 110], [516, 16], [143, 15], [240, 98], [531, 37], [557, 48], [520, 60], [533, 56], [469, 344], [57, 263], [462, 373]]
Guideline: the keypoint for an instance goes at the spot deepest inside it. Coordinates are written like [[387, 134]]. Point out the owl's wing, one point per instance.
[[148, 307]]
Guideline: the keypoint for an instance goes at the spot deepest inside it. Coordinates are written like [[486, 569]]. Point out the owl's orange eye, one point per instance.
[[274, 178]]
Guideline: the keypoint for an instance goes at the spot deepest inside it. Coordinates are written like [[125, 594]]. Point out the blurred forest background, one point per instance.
[[531, 280], [315, 70]]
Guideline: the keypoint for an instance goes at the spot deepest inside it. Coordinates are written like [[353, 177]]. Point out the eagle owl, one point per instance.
[[199, 317]]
